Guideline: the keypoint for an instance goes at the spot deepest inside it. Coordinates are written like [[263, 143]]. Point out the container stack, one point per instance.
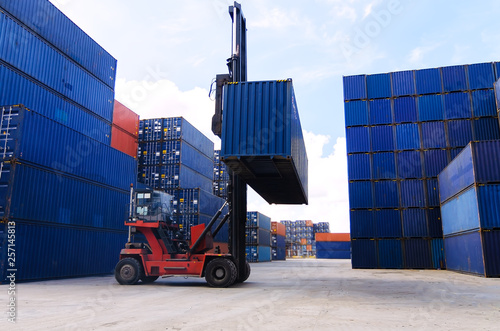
[[278, 247], [402, 129], [258, 237], [56, 160], [470, 200], [125, 130], [321, 227], [333, 246], [174, 154], [176, 157], [221, 176]]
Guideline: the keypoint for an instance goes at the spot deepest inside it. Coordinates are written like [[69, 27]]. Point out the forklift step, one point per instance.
[[175, 268]]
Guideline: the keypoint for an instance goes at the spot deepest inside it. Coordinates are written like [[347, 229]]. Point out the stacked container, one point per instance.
[[221, 176], [174, 154], [56, 160], [125, 130], [278, 246], [176, 157], [258, 237], [470, 200], [321, 227], [402, 129], [333, 246]]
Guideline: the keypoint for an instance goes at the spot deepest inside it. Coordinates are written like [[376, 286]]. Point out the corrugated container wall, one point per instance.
[[470, 201], [398, 143], [48, 22], [262, 140]]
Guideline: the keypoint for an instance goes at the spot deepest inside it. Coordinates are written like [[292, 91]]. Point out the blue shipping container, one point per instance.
[[362, 224], [433, 135], [409, 164], [258, 253], [380, 111], [459, 133], [327, 254], [358, 139], [438, 257], [454, 78], [53, 69], [333, 245], [415, 223], [31, 137], [173, 177], [258, 220], [435, 161], [390, 253], [486, 128], [360, 195], [481, 75], [194, 201], [354, 87], [19, 89], [358, 167], [457, 105], [382, 138], [386, 194], [54, 251], [412, 193], [388, 224], [258, 237], [59, 198], [356, 113], [477, 163], [384, 166], [262, 140], [378, 86], [418, 254], [430, 108], [464, 253], [403, 83], [428, 81], [483, 103], [407, 137], [364, 254], [52, 25], [405, 109]]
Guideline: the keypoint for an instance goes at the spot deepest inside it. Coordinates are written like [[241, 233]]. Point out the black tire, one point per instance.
[[246, 273], [128, 271], [221, 272], [148, 279]]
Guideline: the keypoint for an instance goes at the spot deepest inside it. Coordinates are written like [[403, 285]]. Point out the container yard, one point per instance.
[[115, 193]]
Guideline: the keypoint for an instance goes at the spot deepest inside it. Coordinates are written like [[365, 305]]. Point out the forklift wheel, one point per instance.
[[148, 279], [221, 272], [128, 271], [246, 274]]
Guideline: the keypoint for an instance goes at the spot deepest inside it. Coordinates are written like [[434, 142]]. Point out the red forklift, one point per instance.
[[157, 248], [161, 250]]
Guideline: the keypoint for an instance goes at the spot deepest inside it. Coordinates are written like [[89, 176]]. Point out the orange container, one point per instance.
[[125, 118], [123, 141], [303, 241], [309, 248], [278, 228], [309, 223], [333, 237]]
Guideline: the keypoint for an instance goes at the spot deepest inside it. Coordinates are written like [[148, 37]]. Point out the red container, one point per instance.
[[303, 241], [333, 237], [309, 223], [125, 118], [309, 248], [278, 228], [123, 141]]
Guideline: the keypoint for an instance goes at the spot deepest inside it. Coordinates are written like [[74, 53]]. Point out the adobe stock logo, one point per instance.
[[376, 22]]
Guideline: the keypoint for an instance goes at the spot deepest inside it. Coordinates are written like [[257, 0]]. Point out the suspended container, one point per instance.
[[262, 140]]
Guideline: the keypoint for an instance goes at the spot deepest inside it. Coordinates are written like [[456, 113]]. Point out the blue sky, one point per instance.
[[169, 51]]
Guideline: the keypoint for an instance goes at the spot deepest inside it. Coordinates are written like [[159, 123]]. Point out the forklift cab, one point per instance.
[[153, 206]]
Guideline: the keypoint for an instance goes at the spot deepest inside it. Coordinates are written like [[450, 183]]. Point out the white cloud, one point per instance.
[[164, 99], [328, 187]]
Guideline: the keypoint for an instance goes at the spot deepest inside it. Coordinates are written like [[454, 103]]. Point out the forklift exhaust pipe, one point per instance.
[[208, 227]]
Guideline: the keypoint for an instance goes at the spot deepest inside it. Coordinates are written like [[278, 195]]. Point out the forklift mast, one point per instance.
[[237, 189]]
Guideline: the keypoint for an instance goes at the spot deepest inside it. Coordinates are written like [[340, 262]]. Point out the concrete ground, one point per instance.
[[287, 295]]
